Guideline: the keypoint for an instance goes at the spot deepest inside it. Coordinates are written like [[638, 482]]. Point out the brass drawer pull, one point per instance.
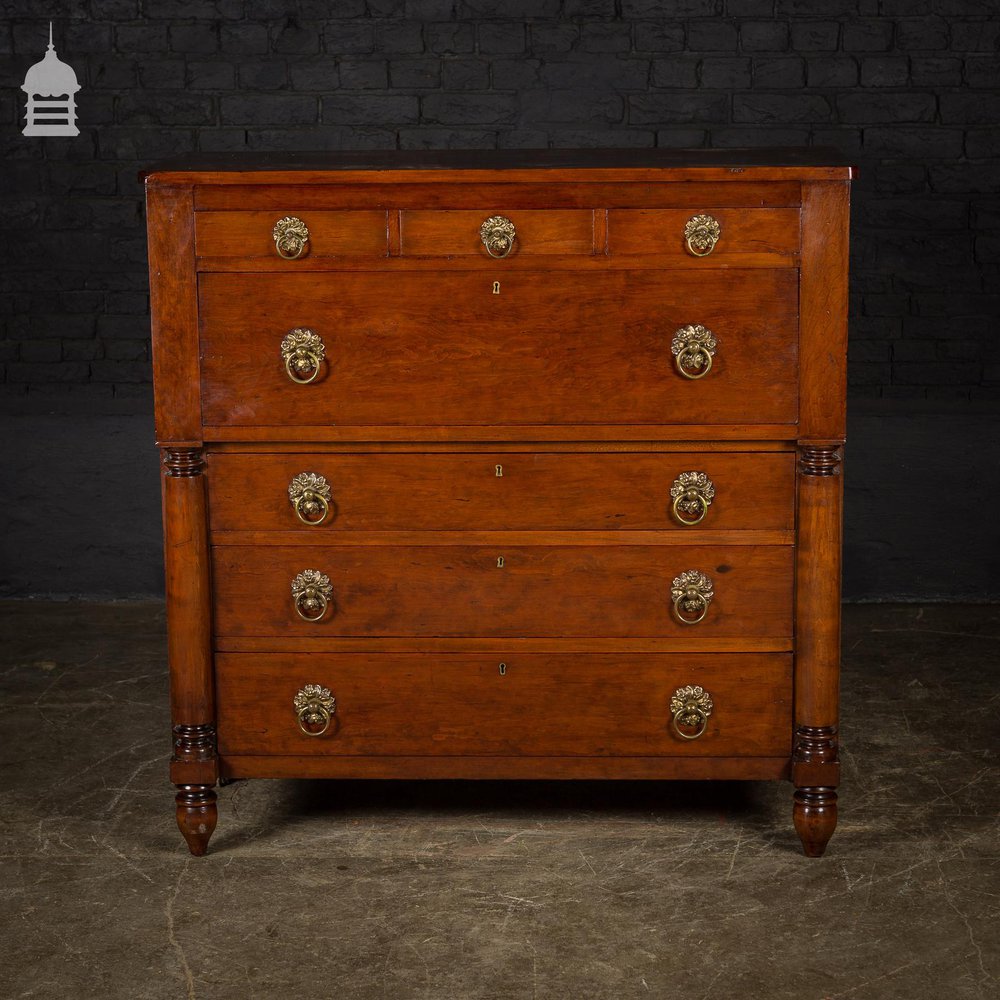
[[690, 707], [303, 352], [498, 235], [312, 593], [693, 348], [314, 706], [291, 238], [691, 593], [309, 495], [693, 493], [701, 233]]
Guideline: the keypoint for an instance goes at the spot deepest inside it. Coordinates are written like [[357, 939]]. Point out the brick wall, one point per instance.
[[909, 88]]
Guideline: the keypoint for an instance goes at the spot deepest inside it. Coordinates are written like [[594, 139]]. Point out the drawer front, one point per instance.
[[542, 704], [500, 491], [532, 591], [765, 236], [432, 349], [462, 233], [330, 234]]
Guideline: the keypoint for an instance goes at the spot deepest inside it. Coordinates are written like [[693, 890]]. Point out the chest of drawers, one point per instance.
[[492, 465]]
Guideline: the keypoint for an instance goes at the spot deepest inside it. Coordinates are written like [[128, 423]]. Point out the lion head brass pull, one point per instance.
[[690, 707], [693, 493], [691, 593], [291, 238], [693, 348], [303, 352], [314, 707], [312, 593], [309, 495], [498, 235], [701, 233]]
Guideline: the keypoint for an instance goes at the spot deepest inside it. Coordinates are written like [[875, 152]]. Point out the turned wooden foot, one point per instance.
[[815, 817], [197, 815]]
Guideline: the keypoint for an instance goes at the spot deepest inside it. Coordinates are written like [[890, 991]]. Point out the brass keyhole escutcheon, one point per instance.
[[503, 669], [499, 562], [496, 287], [499, 472]]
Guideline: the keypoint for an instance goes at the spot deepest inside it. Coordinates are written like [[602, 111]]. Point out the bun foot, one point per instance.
[[815, 816], [197, 815]]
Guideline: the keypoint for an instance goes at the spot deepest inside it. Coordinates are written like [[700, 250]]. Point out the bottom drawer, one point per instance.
[[537, 704]]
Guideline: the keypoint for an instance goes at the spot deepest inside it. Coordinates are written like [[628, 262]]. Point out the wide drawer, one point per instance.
[[432, 349], [330, 234], [500, 491], [535, 704], [476, 590]]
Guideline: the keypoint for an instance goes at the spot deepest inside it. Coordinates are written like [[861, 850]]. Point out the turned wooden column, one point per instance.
[[815, 764], [194, 765]]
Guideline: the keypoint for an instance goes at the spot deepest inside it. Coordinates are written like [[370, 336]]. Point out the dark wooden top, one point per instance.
[[230, 168]]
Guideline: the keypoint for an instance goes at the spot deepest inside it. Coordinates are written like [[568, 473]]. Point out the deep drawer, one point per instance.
[[527, 590], [542, 704], [499, 491], [438, 349]]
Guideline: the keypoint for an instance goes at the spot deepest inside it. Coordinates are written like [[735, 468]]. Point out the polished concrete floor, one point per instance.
[[496, 891]]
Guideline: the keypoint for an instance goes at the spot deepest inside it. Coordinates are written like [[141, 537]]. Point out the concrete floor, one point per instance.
[[496, 891]]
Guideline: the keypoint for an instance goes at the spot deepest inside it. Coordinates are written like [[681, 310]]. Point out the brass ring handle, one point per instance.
[[314, 706], [498, 235], [311, 595], [690, 706], [291, 238], [303, 507], [693, 493], [309, 495], [691, 497], [701, 233], [303, 352], [693, 348], [691, 593]]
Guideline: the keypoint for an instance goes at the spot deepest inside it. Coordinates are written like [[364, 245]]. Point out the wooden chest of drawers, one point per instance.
[[517, 465]]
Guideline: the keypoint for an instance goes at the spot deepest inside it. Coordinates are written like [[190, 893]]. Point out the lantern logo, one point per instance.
[[51, 87]]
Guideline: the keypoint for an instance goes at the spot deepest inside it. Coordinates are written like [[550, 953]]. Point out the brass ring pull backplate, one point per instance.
[[692, 493], [701, 233], [693, 348], [314, 707], [690, 707], [303, 353], [498, 235], [691, 594], [309, 495], [312, 594], [291, 238]]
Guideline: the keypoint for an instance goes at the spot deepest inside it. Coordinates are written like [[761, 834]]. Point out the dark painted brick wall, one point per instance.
[[909, 88]]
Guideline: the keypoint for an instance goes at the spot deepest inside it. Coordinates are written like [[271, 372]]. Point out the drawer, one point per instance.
[[758, 235], [500, 491], [330, 234], [542, 704], [438, 349], [477, 590], [465, 234]]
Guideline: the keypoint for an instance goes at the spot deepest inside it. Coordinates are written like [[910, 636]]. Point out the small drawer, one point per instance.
[[535, 704], [299, 235], [320, 493], [496, 234], [568, 590], [724, 236]]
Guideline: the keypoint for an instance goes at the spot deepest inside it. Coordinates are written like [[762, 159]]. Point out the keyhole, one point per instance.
[[496, 287], [499, 562], [499, 472], [503, 669]]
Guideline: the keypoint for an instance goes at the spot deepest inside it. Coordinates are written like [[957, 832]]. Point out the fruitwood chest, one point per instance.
[[519, 465]]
